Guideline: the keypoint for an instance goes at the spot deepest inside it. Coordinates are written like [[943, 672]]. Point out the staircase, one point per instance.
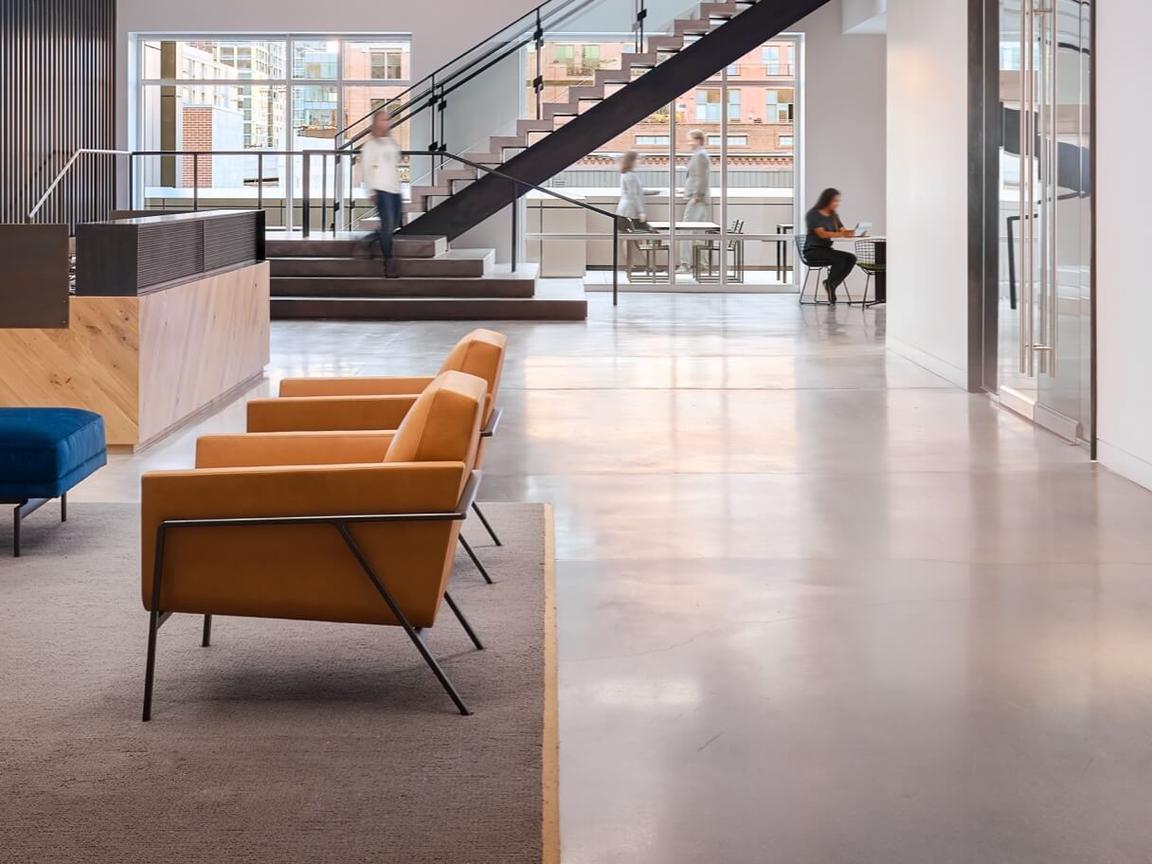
[[702, 43], [330, 277], [323, 277]]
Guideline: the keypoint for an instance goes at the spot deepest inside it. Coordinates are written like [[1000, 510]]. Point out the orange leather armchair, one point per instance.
[[315, 404], [327, 526]]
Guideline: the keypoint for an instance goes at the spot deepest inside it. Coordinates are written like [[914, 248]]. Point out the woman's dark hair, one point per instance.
[[826, 198]]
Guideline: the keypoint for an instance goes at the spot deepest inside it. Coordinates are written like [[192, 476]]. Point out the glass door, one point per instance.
[[1045, 213]]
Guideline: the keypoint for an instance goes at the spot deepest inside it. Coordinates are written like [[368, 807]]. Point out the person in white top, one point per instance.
[[697, 192], [631, 204], [380, 168]]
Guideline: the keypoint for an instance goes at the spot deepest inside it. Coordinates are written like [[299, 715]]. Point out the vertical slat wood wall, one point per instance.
[[57, 94]]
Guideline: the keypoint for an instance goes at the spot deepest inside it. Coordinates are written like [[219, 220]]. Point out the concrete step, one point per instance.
[[441, 309], [526, 127], [613, 76], [692, 25], [666, 44], [718, 10], [348, 244], [367, 287], [456, 263], [638, 61]]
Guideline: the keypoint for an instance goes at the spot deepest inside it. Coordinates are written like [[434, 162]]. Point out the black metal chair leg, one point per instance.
[[475, 560], [64, 507], [154, 622], [206, 639], [399, 615], [463, 621], [150, 666], [484, 522]]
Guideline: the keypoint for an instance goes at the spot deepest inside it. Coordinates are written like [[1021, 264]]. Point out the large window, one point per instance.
[[251, 94], [748, 115]]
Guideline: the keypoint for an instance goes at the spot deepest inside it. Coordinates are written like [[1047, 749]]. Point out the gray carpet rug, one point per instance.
[[284, 741]]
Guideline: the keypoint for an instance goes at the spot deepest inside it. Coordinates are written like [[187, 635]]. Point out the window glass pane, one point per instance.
[[314, 115], [377, 61], [361, 100], [204, 117], [315, 58], [213, 58]]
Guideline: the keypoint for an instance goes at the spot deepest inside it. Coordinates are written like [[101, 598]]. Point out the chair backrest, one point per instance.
[[480, 353], [866, 252], [443, 424], [800, 238]]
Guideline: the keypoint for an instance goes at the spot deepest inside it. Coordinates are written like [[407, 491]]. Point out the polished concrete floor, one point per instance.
[[815, 604]]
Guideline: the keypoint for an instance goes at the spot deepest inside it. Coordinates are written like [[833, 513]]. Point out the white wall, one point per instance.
[[843, 114], [1123, 295], [927, 184], [865, 16]]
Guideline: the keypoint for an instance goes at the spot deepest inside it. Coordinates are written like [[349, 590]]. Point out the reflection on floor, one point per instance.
[[770, 281], [815, 604]]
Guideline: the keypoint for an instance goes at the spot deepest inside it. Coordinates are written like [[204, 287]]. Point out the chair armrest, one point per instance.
[[292, 491], [294, 387], [291, 448], [328, 413]]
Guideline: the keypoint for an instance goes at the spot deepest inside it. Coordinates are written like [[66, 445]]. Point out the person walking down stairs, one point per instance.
[[380, 168]]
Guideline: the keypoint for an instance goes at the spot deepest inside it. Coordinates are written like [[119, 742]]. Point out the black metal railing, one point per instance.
[[430, 92]]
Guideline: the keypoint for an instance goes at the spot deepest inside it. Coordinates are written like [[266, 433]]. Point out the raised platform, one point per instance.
[[335, 276]]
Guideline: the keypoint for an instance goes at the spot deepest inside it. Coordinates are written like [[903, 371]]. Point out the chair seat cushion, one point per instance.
[[44, 452]]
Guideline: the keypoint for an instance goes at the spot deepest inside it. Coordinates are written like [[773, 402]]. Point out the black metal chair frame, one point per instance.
[[818, 269], [158, 617], [649, 249], [487, 432], [710, 248], [24, 508], [867, 263]]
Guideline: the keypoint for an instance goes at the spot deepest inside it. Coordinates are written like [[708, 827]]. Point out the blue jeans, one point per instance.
[[390, 208]]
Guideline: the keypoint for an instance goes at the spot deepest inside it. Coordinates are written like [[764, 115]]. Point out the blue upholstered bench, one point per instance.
[[44, 452]]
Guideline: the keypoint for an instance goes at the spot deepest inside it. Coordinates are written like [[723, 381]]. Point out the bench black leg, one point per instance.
[[206, 639], [64, 507], [23, 510], [16, 517]]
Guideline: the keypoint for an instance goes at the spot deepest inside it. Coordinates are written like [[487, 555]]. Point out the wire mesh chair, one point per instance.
[[818, 269], [866, 260]]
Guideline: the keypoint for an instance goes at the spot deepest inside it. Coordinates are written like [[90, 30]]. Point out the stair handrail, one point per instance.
[[436, 90], [62, 173], [584, 204], [306, 202]]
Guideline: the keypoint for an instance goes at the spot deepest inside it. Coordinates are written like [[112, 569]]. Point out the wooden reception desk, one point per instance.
[[169, 319]]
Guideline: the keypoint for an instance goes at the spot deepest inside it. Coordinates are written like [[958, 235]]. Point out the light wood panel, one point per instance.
[[147, 364], [200, 342], [92, 363]]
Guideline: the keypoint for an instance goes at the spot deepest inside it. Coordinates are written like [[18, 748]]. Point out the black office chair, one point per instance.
[[818, 269], [866, 260]]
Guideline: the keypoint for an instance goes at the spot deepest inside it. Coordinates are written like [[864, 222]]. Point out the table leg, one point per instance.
[[881, 272]]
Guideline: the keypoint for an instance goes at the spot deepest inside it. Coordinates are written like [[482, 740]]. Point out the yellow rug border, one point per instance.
[[550, 771]]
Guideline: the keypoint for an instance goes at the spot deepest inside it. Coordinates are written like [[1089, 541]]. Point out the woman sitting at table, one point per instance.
[[824, 226], [631, 204]]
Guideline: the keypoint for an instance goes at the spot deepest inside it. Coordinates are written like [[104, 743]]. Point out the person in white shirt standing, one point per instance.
[[380, 168], [697, 192]]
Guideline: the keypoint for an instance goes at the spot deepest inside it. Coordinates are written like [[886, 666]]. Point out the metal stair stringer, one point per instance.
[[617, 113]]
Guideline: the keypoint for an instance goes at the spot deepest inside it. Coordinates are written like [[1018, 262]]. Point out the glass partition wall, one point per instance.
[[738, 235], [1043, 337], [249, 96]]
